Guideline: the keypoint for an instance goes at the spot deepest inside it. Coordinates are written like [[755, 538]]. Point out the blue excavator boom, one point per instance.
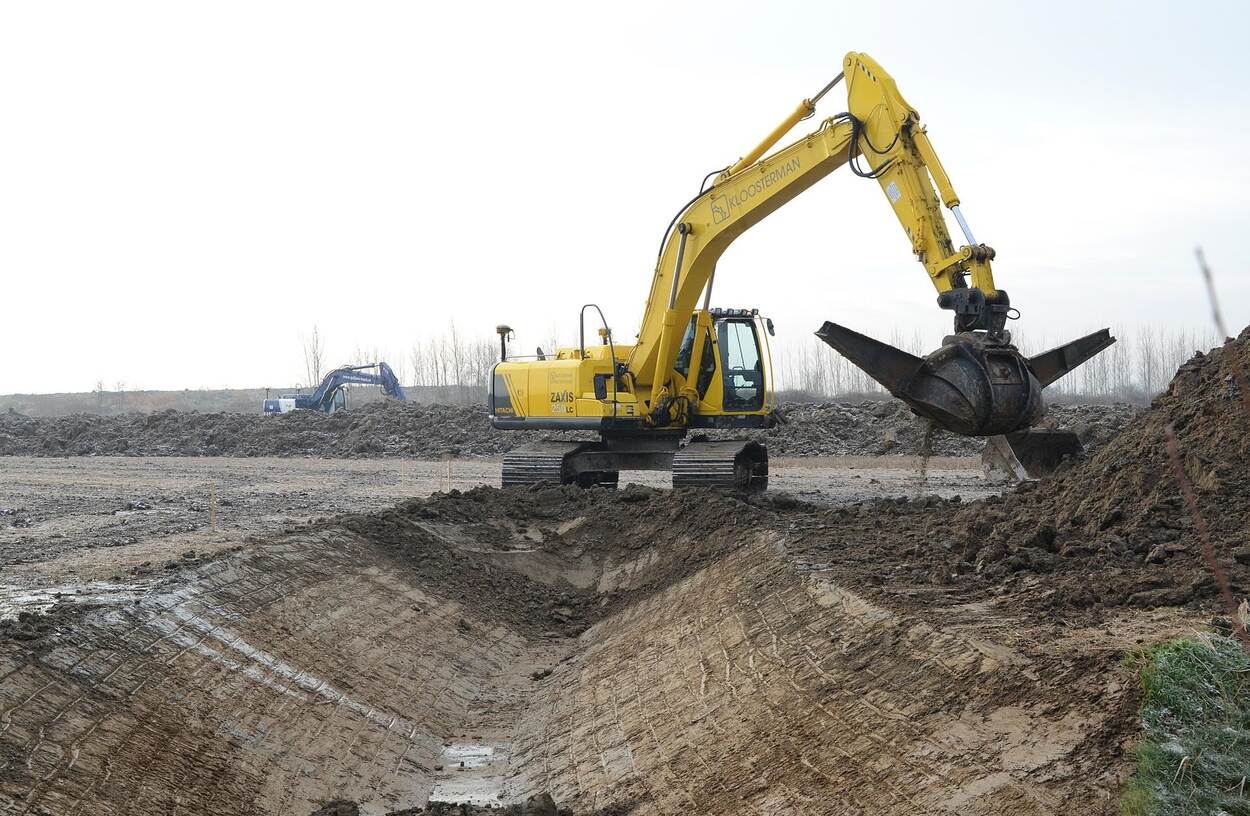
[[330, 394]]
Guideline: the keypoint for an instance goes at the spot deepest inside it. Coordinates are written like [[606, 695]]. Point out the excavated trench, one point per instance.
[[626, 651]]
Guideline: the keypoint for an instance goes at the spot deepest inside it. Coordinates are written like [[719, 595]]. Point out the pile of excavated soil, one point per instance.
[[430, 431], [1121, 513], [1110, 531]]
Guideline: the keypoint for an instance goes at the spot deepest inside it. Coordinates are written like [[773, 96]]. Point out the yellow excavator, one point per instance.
[[696, 367]]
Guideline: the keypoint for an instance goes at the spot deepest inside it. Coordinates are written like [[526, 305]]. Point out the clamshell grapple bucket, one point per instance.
[[976, 384]]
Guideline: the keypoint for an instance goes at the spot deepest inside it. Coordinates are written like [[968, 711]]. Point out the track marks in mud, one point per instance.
[[282, 679], [722, 672], [748, 689]]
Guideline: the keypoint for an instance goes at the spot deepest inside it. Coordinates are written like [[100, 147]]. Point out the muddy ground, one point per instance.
[[635, 651], [391, 429], [116, 518], [873, 647]]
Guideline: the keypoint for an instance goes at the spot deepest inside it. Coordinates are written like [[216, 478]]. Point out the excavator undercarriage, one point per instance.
[[696, 462]]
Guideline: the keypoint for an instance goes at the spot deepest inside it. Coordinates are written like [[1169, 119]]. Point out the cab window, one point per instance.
[[742, 368], [685, 350], [707, 362]]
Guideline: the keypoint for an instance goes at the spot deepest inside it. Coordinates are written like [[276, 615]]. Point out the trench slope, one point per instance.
[[552, 641], [748, 688]]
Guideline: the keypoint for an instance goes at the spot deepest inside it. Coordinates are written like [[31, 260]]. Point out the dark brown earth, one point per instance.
[[685, 530], [1108, 532], [389, 429], [37, 629]]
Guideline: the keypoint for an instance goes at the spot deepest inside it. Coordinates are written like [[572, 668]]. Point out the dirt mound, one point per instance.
[[390, 429], [1122, 510], [1111, 531], [374, 430], [338, 807], [37, 629]]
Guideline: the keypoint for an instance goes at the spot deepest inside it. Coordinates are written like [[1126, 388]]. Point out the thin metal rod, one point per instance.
[[684, 230], [828, 87], [963, 225], [707, 298]]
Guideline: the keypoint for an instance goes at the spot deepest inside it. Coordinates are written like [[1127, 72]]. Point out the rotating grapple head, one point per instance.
[[975, 384]]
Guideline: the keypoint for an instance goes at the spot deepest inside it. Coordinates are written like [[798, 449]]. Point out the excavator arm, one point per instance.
[[976, 384]]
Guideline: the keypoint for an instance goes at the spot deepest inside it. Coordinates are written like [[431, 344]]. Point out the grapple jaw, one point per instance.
[[974, 384]]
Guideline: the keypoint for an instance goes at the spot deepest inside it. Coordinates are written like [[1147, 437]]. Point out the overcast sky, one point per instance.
[[187, 188]]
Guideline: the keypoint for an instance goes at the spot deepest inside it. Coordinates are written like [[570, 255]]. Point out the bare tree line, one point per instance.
[[1134, 369], [452, 359]]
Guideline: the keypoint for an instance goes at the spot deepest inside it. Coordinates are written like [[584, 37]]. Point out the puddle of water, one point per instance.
[[479, 781], [469, 756], [18, 599]]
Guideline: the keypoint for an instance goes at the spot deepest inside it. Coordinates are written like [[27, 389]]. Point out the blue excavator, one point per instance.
[[331, 395]]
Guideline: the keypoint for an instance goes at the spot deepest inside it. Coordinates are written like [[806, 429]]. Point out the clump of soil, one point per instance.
[[338, 807], [37, 631], [392, 429]]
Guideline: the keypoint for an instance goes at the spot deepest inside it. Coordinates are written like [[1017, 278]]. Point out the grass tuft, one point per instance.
[[1195, 754]]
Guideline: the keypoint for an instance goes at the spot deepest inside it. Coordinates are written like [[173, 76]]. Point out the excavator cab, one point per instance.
[[338, 402], [742, 365], [732, 364]]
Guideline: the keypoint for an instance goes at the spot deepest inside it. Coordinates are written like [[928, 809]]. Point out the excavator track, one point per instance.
[[733, 465], [541, 462], [547, 462]]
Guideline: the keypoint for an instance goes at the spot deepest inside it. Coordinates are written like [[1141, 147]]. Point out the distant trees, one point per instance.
[[314, 356], [451, 359]]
